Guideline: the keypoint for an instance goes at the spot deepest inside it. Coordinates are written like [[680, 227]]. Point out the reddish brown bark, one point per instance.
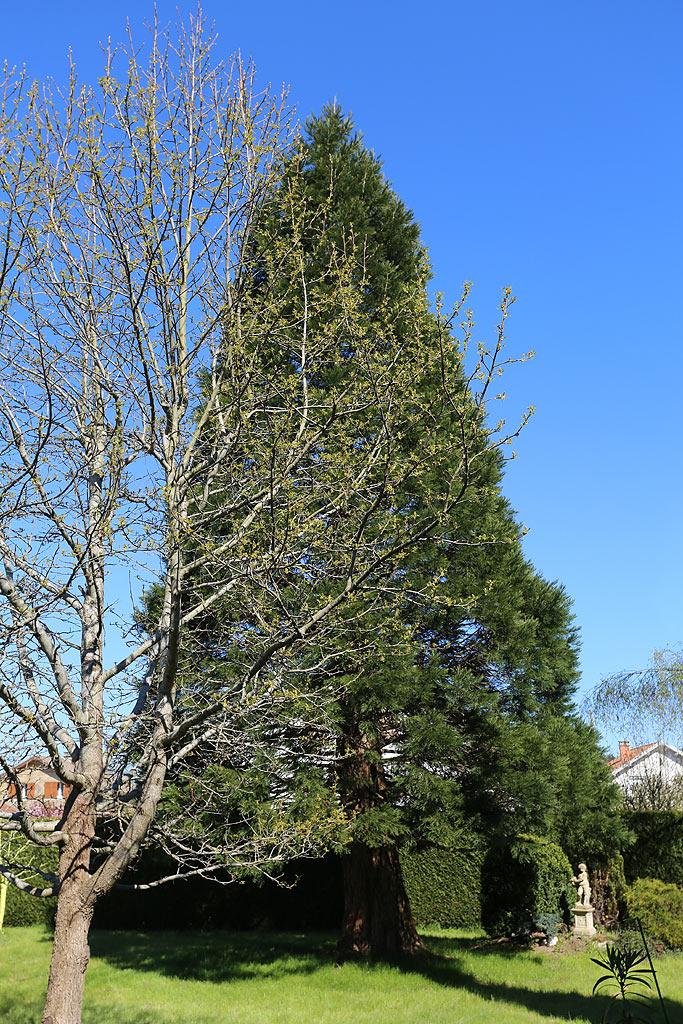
[[378, 922]]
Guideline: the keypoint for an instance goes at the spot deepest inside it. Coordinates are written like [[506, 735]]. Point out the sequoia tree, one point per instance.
[[470, 636], [162, 424]]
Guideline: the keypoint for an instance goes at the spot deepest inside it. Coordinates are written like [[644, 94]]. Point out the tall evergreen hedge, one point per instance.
[[310, 897], [444, 886], [658, 848], [22, 909]]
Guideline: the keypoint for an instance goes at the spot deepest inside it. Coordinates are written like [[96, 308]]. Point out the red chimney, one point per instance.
[[624, 749]]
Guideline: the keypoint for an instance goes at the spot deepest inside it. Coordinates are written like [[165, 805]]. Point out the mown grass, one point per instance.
[[273, 978]]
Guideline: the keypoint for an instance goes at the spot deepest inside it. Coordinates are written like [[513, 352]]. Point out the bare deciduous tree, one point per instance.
[[149, 436]]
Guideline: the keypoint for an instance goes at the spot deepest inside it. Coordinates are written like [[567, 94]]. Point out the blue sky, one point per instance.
[[540, 146]]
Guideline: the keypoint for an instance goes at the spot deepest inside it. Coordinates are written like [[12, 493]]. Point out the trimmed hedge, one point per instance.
[[526, 886], [658, 849], [22, 909], [444, 886], [523, 883], [660, 909], [310, 897]]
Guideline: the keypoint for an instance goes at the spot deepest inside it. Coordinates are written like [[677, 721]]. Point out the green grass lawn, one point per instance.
[[274, 978]]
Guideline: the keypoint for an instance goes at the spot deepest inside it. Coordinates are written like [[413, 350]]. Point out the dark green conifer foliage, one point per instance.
[[427, 698], [438, 704], [341, 174]]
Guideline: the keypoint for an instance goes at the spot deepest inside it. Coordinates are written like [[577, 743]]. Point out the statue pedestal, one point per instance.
[[583, 920]]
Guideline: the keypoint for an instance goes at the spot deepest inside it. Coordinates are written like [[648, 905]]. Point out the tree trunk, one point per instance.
[[75, 904], [378, 922]]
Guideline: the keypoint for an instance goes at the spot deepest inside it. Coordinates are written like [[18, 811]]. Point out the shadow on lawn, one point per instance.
[[12, 1012], [440, 965], [216, 956], [226, 956]]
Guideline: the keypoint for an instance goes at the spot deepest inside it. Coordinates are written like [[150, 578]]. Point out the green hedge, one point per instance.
[[660, 909], [22, 909], [444, 886], [658, 848], [526, 885], [311, 897]]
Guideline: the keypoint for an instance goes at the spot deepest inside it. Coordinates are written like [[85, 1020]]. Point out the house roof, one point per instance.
[[627, 753], [632, 759], [35, 762]]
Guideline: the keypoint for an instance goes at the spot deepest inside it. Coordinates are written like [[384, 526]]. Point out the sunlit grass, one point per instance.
[[274, 978]]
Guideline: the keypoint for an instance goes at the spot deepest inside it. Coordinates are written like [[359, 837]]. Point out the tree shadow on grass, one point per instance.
[[13, 1012], [215, 956], [231, 956], [442, 966]]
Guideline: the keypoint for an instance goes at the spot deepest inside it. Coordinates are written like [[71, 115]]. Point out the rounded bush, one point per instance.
[[526, 886], [659, 905]]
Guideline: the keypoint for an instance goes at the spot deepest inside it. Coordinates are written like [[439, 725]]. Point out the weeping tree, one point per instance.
[[162, 427], [643, 705]]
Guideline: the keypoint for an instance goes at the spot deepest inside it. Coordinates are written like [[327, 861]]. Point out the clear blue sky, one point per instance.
[[540, 145]]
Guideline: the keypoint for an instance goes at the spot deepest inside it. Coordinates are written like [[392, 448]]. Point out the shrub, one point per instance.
[[609, 888], [658, 849], [526, 885], [444, 886], [660, 908], [23, 909]]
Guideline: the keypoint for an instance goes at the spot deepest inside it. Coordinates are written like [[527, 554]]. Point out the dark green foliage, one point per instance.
[[440, 679], [562, 787], [609, 891], [659, 907], [657, 851], [444, 886], [470, 655], [309, 896], [522, 883], [350, 208], [343, 180], [21, 908]]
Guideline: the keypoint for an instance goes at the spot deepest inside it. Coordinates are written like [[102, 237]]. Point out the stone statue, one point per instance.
[[583, 911], [583, 897]]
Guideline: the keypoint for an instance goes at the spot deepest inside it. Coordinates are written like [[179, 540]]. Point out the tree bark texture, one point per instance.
[[75, 904], [378, 922]]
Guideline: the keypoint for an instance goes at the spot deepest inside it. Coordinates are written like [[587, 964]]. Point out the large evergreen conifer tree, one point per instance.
[[435, 702], [423, 700]]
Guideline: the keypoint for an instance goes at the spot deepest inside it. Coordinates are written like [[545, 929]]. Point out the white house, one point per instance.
[[636, 767]]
